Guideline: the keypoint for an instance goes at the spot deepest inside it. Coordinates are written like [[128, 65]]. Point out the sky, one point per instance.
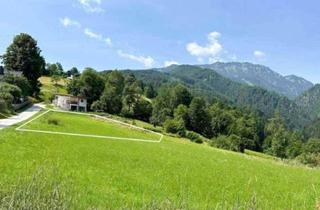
[[138, 34]]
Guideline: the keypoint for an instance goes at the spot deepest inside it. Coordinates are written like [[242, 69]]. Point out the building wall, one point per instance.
[[63, 102], [83, 102]]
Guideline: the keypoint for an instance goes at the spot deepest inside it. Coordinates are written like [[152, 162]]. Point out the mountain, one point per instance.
[[262, 76], [310, 101], [210, 84]]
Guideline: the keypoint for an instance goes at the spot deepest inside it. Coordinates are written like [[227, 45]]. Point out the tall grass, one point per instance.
[[43, 190]]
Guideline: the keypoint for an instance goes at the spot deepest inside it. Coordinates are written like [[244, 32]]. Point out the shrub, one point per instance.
[[97, 106], [311, 159], [174, 126], [311, 153], [233, 143], [19, 81], [194, 137], [9, 93], [52, 121]]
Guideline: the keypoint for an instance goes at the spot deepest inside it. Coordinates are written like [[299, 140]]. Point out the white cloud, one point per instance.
[[169, 63], [210, 51], [88, 32], [108, 41], [92, 34], [148, 61], [259, 54], [91, 6], [66, 22]]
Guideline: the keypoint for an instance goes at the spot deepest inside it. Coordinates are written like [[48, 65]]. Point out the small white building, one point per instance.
[[70, 103]]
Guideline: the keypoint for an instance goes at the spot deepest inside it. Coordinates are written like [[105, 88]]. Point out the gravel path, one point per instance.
[[34, 109]]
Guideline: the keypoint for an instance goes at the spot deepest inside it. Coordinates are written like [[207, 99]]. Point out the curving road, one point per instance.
[[34, 109]]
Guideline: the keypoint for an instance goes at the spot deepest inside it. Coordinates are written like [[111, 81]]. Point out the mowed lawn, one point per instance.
[[89, 125], [86, 173]]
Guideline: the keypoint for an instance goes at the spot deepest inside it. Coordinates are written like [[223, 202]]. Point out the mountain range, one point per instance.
[[290, 86]]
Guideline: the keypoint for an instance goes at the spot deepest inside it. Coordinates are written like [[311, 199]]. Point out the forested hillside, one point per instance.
[[310, 101], [210, 84]]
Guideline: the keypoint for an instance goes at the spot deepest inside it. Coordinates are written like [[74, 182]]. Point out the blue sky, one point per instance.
[[109, 34]]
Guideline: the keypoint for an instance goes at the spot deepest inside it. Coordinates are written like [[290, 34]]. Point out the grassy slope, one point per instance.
[[82, 124], [48, 89], [173, 174]]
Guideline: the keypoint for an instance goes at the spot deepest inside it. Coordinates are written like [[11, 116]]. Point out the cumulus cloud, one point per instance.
[[147, 61], [88, 32], [91, 6], [66, 22], [259, 54], [210, 51], [169, 63]]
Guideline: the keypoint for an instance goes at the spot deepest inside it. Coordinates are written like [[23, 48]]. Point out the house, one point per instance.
[[70, 102]]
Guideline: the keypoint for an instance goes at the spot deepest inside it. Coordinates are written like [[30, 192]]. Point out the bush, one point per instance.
[[310, 159], [174, 126], [20, 82], [10, 93], [233, 143], [52, 121], [96, 106], [194, 137], [311, 153]]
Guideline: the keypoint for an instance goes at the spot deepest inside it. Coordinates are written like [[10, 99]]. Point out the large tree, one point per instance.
[[25, 56], [180, 95], [277, 137], [111, 99], [91, 85], [199, 117]]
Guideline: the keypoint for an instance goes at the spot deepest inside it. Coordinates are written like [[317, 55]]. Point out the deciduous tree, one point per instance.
[[24, 55]]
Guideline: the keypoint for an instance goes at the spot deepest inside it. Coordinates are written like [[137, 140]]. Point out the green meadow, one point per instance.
[[87, 125], [45, 171]]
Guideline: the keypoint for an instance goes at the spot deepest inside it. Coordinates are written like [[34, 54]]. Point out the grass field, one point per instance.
[[47, 171], [74, 123]]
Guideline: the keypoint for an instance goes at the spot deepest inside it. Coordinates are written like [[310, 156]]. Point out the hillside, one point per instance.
[[262, 76], [211, 84], [310, 101], [70, 172], [49, 89]]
